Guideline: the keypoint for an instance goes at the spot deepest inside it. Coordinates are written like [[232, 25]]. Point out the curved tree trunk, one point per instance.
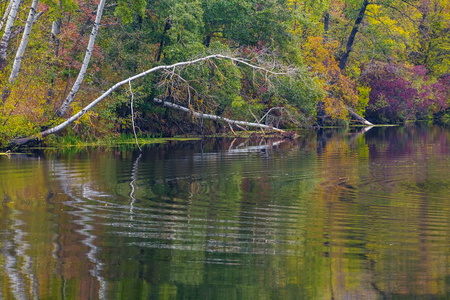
[[351, 38], [7, 34], [349, 48], [86, 60]]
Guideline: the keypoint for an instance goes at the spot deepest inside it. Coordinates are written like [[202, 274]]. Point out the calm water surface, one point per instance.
[[330, 215]]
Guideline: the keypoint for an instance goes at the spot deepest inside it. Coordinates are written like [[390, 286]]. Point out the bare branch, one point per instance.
[[256, 119]]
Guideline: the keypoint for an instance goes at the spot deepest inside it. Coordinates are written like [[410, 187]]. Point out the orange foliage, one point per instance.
[[341, 90]]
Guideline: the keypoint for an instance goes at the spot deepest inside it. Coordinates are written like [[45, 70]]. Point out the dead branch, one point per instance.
[[132, 116], [213, 117]]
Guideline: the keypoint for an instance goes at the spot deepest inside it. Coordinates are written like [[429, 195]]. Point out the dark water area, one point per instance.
[[336, 214]]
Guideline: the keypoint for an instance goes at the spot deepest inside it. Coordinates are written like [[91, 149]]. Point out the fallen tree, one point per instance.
[[53, 130], [214, 117]]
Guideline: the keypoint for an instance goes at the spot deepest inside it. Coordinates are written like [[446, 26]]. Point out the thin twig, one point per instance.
[[256, 119], [267, 113]]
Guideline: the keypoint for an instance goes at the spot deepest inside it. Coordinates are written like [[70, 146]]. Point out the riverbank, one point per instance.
[[127, 141], [75, 141]]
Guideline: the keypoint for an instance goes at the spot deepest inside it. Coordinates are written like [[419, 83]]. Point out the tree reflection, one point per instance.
[[350, 214]]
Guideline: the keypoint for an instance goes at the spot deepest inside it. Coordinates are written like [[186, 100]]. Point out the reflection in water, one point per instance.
[[18, 264], [133, 179], [331, 215], [83, 212], [11, 265], [261, 147]]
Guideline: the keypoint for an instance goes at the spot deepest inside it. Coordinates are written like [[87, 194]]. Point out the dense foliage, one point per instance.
[[387, 60]]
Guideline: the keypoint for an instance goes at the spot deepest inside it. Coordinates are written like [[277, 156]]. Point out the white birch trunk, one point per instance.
[[7, 34], [358, 117], [214, 117], [5, 16], [86, 60], [23, 42], [56, 30]]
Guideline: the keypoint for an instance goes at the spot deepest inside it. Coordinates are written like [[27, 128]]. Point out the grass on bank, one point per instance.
[[69, 141], [73, 141]]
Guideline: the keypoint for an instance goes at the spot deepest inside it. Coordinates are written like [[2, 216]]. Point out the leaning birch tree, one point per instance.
[[90, 106], [23, 42], [21, 50], [7, 33], [84, 66]]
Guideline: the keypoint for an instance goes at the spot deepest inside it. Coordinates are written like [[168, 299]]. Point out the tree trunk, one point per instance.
[[161, 43], [207, 41], [20, 51], [351, 38], [326, 25], [5, 16], [358, 117], [86, 60], [56, 30], [7, 34], [23, 43]]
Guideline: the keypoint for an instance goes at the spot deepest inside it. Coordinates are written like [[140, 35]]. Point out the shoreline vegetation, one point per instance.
[[198, 67], [59, 142], [81, 142]]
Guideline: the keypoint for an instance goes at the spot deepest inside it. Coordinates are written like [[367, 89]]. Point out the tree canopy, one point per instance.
[[387, 60]]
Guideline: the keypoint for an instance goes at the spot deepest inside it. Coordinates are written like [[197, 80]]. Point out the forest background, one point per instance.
[[386, 60]]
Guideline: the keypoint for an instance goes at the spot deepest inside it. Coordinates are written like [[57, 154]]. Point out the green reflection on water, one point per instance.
[[329, 215]]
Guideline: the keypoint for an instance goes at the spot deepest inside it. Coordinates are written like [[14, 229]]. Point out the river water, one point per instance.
[[335, 214]]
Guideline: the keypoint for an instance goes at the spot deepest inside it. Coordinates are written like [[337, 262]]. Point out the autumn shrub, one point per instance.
[[400, 93]]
